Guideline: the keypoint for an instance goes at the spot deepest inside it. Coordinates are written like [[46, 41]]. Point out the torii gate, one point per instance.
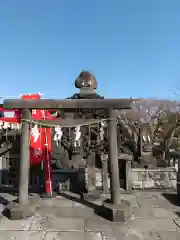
[[40, 139], [117, 209]]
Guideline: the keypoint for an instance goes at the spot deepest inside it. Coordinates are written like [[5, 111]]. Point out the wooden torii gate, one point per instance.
[[117, 209]]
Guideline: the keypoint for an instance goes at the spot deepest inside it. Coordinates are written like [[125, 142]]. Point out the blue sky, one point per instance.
[[132, 46]]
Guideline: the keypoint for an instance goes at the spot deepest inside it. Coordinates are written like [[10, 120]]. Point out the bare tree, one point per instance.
[[148, 123]]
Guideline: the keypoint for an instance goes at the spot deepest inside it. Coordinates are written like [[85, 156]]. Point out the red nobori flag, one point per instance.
[[40, 144], [36, 138]]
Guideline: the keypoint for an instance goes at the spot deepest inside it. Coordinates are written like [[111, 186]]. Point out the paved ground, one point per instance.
[[155, 217]]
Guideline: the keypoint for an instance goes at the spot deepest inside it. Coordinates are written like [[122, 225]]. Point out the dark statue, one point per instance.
[[71, 157]]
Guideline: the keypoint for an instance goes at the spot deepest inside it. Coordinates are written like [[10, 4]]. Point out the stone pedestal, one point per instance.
[[116, 213], [17, 211]]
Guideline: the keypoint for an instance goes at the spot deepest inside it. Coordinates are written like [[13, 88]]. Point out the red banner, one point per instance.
[[36, 141], [40, 144], [47, 155], [40, 140]]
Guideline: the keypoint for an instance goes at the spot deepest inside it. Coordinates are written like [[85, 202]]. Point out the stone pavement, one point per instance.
[[156, 216]]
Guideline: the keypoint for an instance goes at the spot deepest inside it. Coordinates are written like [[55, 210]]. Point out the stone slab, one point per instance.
[[167, 235], [133, 234], [132, 199], [118, 231], [13, 235], [114, 235], [56, 202], [73, 235], [147, 195], [116, 213], [97, 224], [18, 225], [57, 224], [65, 212], [145, 225], [163, 213], [141, 212], [148, 202]]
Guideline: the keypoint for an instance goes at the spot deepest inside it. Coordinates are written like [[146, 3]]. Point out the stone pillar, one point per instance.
[[116, 210], [139, 142], [92, 192], [5, 168], [24, 158], [104, 161], [26, 205], [127, 158], [113, 158], [178, 178], [1, 169], [91, 173], [128, 176]]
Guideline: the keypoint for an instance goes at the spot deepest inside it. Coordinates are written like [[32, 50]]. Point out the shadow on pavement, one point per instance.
[[173, 198], [78, 200], [4, 202], [178, 214], [97, 209]]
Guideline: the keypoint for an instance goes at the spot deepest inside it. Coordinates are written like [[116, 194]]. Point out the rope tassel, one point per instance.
[[77, 136], [35, 132], [58, 134], [102, 125]]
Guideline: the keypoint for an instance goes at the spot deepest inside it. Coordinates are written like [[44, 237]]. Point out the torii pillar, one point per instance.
[[26, 205], [115, 209], [24, 159]]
